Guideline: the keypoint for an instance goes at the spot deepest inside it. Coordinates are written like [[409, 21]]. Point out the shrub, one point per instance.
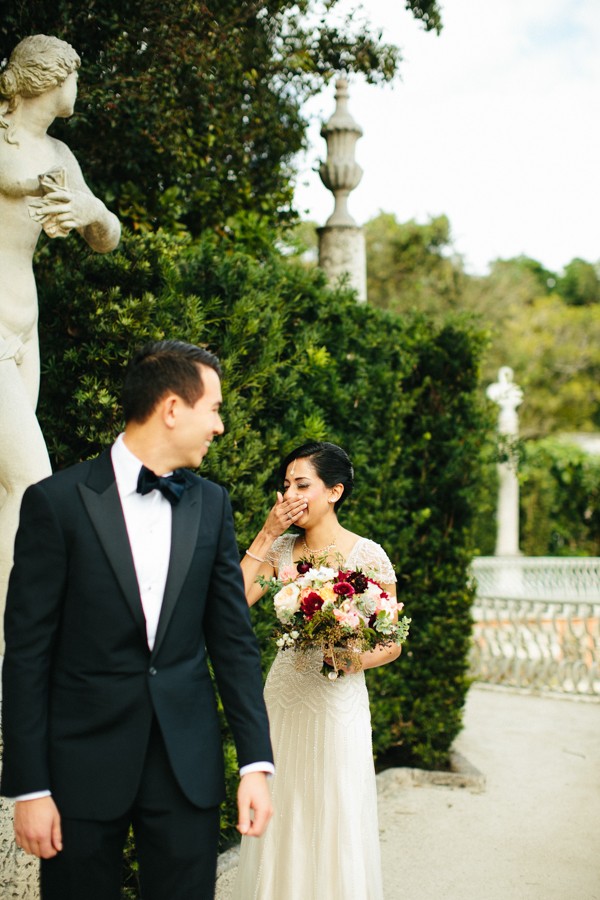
[[560, 500]]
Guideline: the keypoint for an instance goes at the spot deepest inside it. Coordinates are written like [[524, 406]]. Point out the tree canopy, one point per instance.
[[190, 112], [580, 283], [412, 266], [545, 325]]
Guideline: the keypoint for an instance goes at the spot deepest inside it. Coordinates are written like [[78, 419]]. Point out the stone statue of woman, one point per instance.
[[41, 187]]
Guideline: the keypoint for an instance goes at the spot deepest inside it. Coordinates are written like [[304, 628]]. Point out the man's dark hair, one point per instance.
[[332, 465], [161, 368]]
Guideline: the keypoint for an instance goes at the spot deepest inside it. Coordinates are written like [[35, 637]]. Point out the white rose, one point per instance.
[[314, 577], [325, 573], [372, 591], [287, 602]]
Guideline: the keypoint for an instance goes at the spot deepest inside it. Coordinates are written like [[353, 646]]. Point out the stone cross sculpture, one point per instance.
[[341, 240], [508, 396], [41, 188]]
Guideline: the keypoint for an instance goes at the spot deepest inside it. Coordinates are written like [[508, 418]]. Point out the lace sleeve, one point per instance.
[[280, 553], [371, 557]]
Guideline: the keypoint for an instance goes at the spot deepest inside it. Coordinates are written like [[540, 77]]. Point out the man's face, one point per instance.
[[197, 425]]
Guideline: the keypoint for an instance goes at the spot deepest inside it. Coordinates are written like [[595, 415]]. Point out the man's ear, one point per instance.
[[168, 409]]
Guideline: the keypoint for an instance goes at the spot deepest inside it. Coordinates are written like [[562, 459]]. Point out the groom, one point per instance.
[[124, 582]]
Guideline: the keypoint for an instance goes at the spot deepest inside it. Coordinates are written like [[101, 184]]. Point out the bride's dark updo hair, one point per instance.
[[331, 463]]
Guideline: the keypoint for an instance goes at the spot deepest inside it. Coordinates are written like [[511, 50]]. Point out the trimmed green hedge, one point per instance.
[[300, 360], [560, 500]]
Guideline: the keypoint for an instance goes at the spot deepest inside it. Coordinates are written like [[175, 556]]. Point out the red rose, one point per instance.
[[311, 603], [343, 588], [303, 567]]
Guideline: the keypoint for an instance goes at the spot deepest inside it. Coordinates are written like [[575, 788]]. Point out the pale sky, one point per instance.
[[495, 123]]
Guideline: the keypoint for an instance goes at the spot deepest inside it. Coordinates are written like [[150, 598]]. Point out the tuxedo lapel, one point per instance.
[[101, 499], [184, 533]]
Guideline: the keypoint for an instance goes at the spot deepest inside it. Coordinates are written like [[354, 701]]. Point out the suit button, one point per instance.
[[152, 671]]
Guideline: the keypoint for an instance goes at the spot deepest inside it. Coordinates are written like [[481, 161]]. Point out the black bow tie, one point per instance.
[[170, 486]]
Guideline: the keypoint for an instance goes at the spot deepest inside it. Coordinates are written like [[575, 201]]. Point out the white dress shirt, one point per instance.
[[148, 521]]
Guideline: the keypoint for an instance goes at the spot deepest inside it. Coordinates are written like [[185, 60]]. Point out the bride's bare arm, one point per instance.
[[254, 562]]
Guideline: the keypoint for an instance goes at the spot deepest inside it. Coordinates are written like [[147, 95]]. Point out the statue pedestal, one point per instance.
[[507, 540], [342, 253]]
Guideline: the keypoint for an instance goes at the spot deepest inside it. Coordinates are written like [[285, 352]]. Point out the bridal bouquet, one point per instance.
[[343, 613]]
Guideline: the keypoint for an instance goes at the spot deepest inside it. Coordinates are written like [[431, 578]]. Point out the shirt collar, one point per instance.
[[126, 465]]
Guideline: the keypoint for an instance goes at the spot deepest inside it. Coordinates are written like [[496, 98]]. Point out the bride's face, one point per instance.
[[302, 482]]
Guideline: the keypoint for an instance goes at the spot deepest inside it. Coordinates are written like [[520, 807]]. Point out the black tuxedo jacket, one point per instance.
[[80, 685]]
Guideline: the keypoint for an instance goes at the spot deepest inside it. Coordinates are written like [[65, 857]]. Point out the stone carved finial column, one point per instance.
[[508, 396], [341, 240]]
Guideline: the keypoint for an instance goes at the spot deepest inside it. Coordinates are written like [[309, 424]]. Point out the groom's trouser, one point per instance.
[[176, 844]]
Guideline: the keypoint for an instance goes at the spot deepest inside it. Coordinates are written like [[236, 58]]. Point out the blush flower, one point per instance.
[[288, 573], [350, 619], [389, 604]]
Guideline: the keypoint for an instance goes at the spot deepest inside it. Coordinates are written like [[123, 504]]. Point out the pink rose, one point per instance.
[[288, 573], [350, 619], [389, 604]]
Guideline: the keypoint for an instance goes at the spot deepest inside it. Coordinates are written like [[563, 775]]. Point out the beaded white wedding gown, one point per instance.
[[323, 840]]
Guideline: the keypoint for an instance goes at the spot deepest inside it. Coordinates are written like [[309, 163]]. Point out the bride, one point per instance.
[[323, 840]]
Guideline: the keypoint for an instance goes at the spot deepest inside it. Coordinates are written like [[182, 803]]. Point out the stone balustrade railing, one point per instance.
[[537, 623]]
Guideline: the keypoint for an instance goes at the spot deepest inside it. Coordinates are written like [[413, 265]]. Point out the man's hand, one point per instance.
[[37, 827], [254, 804]]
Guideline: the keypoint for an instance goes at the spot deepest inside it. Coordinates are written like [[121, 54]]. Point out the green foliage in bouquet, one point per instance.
[[300, 361]]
